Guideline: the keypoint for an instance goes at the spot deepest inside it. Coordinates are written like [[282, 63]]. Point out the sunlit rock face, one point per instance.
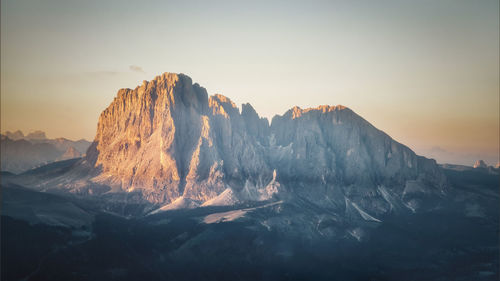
[[168, 139]]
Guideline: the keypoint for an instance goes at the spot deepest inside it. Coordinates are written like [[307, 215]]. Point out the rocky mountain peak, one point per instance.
[[33, 136], [70, 153], [222, 105], [480, 164], [167, 139], [36, 135], [17, 135], [296, 112], [20, 153]]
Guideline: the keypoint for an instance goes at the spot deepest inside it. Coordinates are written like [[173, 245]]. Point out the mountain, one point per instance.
[[70, 153], [480, 164], [17, 135], [36, 136], [21, 153], [179, 185], [167, 140]]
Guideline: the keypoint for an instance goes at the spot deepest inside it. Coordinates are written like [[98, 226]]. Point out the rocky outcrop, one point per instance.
[[332, 144], [63, 144], [480, 164], [70, 153], [166, 139]]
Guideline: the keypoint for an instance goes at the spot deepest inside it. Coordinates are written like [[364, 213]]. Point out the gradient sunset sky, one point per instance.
[[425, 72]]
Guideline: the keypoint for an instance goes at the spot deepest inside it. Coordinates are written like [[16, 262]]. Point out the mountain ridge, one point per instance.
[[21, 153], [168, 139]]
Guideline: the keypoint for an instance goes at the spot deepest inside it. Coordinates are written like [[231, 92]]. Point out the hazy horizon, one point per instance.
[[425, 73]]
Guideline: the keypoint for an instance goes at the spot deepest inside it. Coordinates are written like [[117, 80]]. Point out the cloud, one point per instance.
[[136, 68]]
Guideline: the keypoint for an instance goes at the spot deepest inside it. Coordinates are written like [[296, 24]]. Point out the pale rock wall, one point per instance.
[[168, 140]]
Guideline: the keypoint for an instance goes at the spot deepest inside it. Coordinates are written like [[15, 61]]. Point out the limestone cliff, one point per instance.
[[168, 139]]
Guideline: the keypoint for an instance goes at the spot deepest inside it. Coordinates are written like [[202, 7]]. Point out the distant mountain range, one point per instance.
[[20, 153]]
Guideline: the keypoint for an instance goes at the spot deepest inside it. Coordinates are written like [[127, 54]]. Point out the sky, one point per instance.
[[426, 72]]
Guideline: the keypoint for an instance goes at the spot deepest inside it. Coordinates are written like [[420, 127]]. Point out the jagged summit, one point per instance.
[[168, 139], [36, 135], [166, 77], [17, 135], [222, 105], [20, 153], [32, 136], [296, 111]]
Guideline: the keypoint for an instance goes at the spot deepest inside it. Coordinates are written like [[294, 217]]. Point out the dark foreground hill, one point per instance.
[[53, 237]]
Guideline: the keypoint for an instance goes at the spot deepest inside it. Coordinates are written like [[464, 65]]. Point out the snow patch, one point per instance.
[[364, 214], [250, 192], [224, 217], [361, 212], [179, 203], [234, 215], [385, 194], [226, 198]]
